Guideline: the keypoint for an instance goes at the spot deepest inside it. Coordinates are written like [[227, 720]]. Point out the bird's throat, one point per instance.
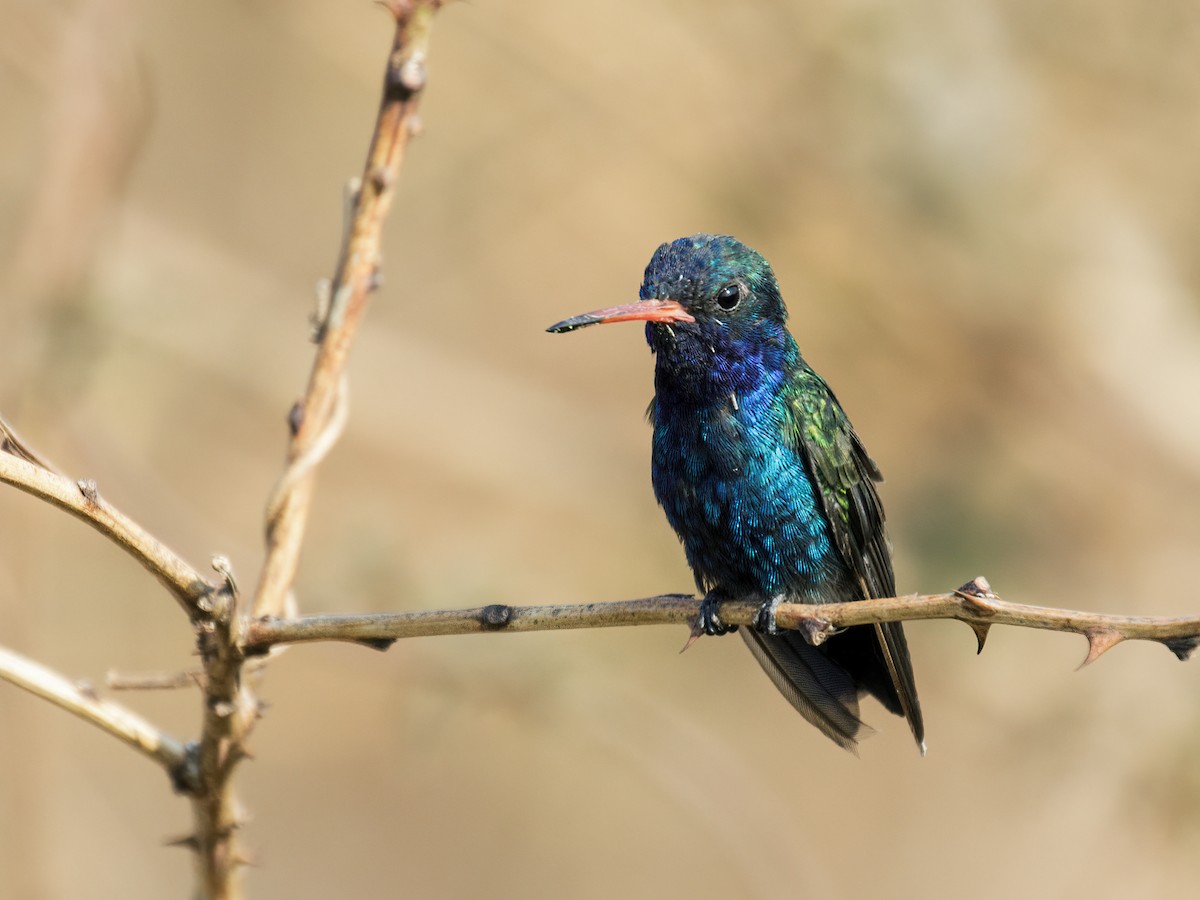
[[696, 369]]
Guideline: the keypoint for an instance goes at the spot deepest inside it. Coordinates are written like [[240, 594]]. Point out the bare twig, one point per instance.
[[974, 604], [153, 681], [82, 500], [356, 276], [113, 718]]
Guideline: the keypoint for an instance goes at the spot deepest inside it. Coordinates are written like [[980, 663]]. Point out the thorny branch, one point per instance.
[[230, 710], [973, 603], [316, 422], [205, 770]]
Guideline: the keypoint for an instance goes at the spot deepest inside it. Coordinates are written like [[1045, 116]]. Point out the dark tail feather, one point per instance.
[[892, 642], [820, 690], [824, 683]]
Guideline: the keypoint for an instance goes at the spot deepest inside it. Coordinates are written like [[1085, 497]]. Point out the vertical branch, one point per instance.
[[317, 418], [231, 708], [206, 768]]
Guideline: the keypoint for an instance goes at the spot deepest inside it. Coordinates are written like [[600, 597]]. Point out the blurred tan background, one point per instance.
[[984, 216]]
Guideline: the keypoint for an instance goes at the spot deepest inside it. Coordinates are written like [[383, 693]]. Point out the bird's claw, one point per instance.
[[764, 619], [709, 619]]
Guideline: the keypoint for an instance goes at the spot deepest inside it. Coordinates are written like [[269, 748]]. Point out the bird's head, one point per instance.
[[714, 315]]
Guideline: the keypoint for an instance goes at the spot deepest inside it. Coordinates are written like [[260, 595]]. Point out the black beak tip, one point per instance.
[[571, 324]]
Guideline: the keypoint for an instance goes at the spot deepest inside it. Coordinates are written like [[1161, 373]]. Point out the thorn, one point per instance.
[[188, 842], [375, 279], [381, 178], [975, 594], [1182, 647], [1100, 641], [222, 566], [324, 293], [380, 644], [976, 587], [981, 630], [85, 687], [88, 488], [697, 633], [295, 418]]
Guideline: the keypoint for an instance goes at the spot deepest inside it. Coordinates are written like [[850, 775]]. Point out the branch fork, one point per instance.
[[204, 769]]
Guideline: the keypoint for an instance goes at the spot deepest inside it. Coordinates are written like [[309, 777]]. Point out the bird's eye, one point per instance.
[[729, 296]]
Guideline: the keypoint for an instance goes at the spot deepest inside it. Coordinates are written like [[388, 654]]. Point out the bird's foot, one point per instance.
[[709, 619], [764, 619]]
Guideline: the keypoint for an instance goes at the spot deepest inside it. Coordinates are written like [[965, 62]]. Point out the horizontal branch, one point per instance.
[[82, 500], [973, 603], [121, 723], [381, 629]]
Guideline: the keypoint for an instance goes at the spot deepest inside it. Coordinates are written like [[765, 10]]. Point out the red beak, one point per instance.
[[643, 311]]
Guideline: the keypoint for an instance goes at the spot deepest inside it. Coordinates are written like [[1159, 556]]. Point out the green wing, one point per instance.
[[845, 478]]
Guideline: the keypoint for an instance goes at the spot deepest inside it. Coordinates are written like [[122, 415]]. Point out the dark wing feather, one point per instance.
[[845, 477]]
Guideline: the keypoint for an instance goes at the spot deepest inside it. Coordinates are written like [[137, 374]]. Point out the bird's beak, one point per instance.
[[643, 311]]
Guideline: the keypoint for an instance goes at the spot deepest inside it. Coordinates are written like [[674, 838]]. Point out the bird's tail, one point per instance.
[[824, 683]]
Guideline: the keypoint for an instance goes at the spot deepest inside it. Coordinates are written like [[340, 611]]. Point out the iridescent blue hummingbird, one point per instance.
[[761, 475]]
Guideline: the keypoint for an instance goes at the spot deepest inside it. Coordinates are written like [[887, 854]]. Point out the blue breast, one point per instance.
[[740, 498]]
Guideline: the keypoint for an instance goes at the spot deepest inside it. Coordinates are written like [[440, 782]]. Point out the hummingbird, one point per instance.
[[764, 480]]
